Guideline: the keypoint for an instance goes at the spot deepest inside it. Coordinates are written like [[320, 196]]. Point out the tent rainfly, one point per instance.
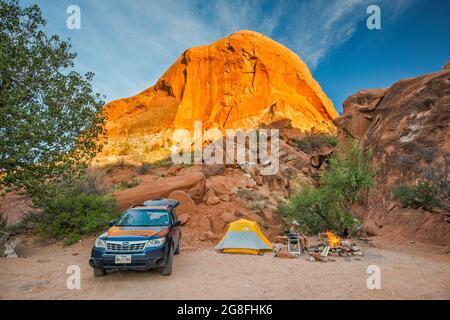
[[244, 236]]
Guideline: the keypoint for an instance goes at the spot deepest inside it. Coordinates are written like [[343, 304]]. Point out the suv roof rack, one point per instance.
[[162, 202]]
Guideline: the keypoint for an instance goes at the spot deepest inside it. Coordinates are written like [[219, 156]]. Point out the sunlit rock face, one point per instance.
[[241, 81]]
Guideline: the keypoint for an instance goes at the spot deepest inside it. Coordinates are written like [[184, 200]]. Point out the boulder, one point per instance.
[[184, 218], [218, 224], [220, 185], [9, 250], [208, 235], [211, 198], [224, 197], [228, 217], [187, 205], [174, 170], [197, 192], [161, 188], [316, 256]]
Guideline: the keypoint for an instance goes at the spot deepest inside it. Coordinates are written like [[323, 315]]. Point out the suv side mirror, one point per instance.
[[112, 223], [176, 223]]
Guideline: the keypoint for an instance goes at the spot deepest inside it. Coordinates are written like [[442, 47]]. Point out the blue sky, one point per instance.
[[129, 44]]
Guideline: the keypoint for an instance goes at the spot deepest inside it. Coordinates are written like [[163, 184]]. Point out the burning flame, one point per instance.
[[333, 240]]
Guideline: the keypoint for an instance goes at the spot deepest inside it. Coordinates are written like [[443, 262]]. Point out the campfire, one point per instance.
[[331, 245], [333, 240]]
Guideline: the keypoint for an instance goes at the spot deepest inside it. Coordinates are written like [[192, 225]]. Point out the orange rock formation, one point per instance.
[[240, 81]]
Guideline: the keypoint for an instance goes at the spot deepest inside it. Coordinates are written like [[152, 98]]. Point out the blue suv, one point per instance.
[[144, 237]]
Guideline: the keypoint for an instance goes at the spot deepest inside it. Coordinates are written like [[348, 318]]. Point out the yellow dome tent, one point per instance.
[[244, 236]]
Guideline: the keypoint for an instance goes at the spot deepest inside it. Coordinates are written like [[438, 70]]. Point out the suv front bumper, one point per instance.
[[150, 258]]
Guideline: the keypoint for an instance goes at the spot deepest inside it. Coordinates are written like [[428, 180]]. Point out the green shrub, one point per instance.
[[72, 214], [71, 239], [351, 175], [314, 141], [424, 196], [327, 207]]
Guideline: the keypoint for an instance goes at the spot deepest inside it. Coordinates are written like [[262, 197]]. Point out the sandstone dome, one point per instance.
[[241, 81]]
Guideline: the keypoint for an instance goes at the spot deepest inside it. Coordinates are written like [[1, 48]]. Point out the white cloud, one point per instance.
[[129, 44]]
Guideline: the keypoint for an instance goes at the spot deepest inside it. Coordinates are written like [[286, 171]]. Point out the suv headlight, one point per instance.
[[155, 242], [99, 243]]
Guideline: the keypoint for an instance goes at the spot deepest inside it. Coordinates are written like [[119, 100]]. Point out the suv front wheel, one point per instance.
[[167, 270], [177, 250], [98, 272]]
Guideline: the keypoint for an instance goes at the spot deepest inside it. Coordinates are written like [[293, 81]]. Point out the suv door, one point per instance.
[[176, 230]]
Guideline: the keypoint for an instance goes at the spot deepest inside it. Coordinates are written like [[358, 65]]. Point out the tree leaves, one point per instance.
[[50, 118]]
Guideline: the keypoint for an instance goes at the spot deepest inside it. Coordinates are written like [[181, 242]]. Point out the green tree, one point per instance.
[[351, 174], [328, 206], [49, 115]]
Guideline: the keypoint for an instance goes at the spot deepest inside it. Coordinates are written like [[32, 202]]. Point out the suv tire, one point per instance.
[[167, 269], [177, 250], [98, 272]]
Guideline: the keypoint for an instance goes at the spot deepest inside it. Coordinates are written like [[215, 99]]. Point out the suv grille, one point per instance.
[[125, 245]]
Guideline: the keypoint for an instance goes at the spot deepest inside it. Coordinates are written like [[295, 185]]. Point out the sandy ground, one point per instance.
[[408, 271]]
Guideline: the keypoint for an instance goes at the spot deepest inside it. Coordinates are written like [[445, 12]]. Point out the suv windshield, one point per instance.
[[144, 218]]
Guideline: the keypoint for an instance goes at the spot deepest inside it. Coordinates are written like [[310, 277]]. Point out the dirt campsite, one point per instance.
[[408, 271]]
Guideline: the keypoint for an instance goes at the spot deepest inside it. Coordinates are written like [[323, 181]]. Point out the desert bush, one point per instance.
[[249, 194], [328, 206], [438, 176], [424, 196], [72, 214], [144, 168], [257, 206], [126, 184], [314, 141]]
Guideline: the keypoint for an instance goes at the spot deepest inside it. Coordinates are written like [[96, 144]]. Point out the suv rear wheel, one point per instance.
[[167, 270], [98, 272]]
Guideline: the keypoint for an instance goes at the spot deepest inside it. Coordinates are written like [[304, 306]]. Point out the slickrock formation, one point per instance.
[[241, 81], [407, 128]]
